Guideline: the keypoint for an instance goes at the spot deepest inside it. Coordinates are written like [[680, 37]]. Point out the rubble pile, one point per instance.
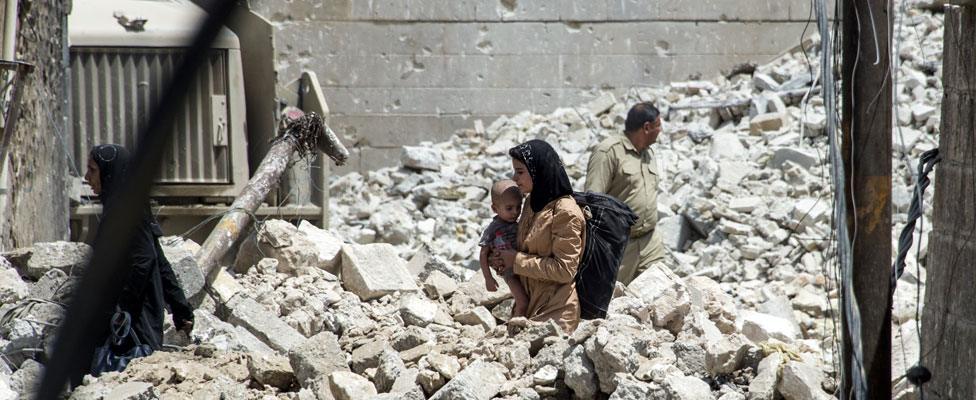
[[388, 304]]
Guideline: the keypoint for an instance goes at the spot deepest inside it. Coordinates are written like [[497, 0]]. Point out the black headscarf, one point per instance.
[[112, 161], [549, 179]]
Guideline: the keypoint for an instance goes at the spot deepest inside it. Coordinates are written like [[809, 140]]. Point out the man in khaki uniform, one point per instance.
[[624, 167]]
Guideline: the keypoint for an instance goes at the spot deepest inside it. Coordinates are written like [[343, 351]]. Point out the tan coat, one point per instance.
[[550, 246]]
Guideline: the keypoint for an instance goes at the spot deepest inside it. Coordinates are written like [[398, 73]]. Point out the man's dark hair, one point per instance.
[[639, 114]]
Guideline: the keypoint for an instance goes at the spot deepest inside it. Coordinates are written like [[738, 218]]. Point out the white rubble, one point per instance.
[[745, 301]]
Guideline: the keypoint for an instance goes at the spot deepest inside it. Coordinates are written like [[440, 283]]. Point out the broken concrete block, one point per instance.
[[480, 380], [328, 246], [368, 355], [689, 356], [765, 82], [70, 257], [580, 374], [317, 357], [734, 228], [671, 307], [630, 389], [422, 158], [802, 382], [763, 386], [921, 112], [374, 270], [601, 104], [726, 146], [133, 391], [805, 158], [746, 204], [12, 288], [424, 262], [225, 287], [724, 356], [707, 295], [674, 232], [250, 314], [223, 336], [406, 381], [545, 376], [475, 290], [611, 354], [280, 240], [769, 122], [515, 358], [180, 255], [439, 285], [272, 370], [346, 385], [652, 282], [431, 381], [447, 366], [687, 388], [477, 316], [388, 370], [410, 338], [760, 327], [416, 310]]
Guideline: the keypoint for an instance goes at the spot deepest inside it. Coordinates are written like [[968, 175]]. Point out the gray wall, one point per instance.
[[398, 72], [36, 206]]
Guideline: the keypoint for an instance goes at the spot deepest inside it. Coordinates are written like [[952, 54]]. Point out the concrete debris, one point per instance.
[[328, 246], [580, 373], [68, 257], [373, 270], [12, 288], [743, 208], [680, 387], [422, 158], [318, 357], [478, 381], [272, 370], [801, 381], [763, 386], [546, 375], [350, 386], [417, 311], [179, 252], [279, 240]]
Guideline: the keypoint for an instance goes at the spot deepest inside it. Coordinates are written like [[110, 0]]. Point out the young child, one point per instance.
[[502, 234]]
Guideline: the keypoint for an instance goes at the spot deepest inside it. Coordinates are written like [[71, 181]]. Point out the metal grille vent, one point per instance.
[[114, 89]]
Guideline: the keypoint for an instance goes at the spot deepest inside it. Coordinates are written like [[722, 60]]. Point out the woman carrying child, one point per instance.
[[550, 236]]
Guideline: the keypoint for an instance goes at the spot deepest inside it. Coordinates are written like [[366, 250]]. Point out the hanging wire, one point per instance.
[[844, 244]]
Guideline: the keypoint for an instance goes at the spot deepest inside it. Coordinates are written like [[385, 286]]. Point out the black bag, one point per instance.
[[107, 357], [608, 223]]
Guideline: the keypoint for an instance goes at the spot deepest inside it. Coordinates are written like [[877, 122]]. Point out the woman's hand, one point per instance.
[[505, 260]]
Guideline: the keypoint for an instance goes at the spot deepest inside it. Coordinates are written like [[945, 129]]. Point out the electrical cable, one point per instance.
[[844, 245]]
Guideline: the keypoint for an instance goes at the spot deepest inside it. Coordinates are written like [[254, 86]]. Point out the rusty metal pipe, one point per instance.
[[265, 178]]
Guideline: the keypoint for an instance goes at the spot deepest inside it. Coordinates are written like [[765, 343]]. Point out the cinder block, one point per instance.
[[250, 314]]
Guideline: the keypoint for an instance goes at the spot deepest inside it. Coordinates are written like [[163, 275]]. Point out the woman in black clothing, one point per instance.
[[150, 284]]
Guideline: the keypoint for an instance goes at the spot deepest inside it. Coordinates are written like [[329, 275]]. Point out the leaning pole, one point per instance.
[[300, 134]]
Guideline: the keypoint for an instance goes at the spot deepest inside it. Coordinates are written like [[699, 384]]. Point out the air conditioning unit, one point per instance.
[[123, 54]]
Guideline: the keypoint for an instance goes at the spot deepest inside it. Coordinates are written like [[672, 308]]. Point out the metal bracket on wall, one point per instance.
[[12, 74], [218, 106]]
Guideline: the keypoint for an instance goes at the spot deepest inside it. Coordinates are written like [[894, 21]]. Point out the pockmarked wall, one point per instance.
[[35, 207], [398, 72]]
